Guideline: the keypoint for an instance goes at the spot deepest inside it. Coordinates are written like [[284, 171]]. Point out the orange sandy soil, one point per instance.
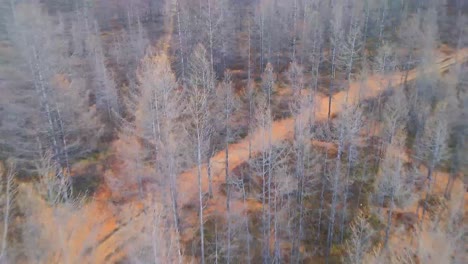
[[427, 243], [100, 231], [281, 130], [421, 241]]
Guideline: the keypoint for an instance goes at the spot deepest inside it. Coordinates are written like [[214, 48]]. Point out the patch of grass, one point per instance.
[[213, 232], [242, 133], [93, 157], [87, 173], [337, 250], [85, 185], [433, 203], [375, 222]]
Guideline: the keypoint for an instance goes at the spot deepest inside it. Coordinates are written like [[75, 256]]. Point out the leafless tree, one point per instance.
[[351, 46], [354, 123], [158, 243], [65, 123], [348, 127], [360, 241], [336, 39], [7, 198], [395, 114], [229, 103], [180, 40], [392, 184], [200, 95], [458, 127], [105, 88], [263, 168], [159, 107], [268, 84], [432, 147]]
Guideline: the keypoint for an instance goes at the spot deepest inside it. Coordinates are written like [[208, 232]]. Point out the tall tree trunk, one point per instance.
[[345, 195], [246, 222], [330, 87], [250, 95], [335, 190], [322, 196], [228, 184], [40, 86], [382, 23], [389, 219], [449, 186], [175, 207], [210, 31], [428, 192], [6, 213], [200, 193], [293, 57], [208, 170], [262, 40], [181, 47], [265, 192]]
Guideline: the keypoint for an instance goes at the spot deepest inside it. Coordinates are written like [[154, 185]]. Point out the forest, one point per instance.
[[233, 131]]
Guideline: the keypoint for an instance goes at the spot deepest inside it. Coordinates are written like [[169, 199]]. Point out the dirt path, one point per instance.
[[115, 232], [114, 227], [281, 130]]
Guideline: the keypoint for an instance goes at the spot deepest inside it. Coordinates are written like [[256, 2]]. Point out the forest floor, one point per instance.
[[115, 225], [418, 236], [281, 130], [424, 237], [110, 249]]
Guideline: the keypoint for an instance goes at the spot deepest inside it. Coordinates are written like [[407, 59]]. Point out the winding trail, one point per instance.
[[282, 130], [114, 227], [116, 234]]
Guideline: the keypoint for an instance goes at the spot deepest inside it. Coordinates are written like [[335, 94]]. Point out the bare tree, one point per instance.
[[313, 44], [199, 95], [7, 198], [158, 244], [360, 241], [354, 123], [395, 114], [250, 88], [275, 22], [159, 106], [262, 167], [105, 88], [268, 84], [60, 112], [349, 50], [349, 125], [202, 77], [392, 184], [295, 76], [410, 36], [181, 45], [433, 145], [336, 39], [227, 97], [457, 138], [52, 188]]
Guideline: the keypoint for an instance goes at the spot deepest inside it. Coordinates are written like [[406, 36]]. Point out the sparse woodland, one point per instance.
[[233, 131]]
